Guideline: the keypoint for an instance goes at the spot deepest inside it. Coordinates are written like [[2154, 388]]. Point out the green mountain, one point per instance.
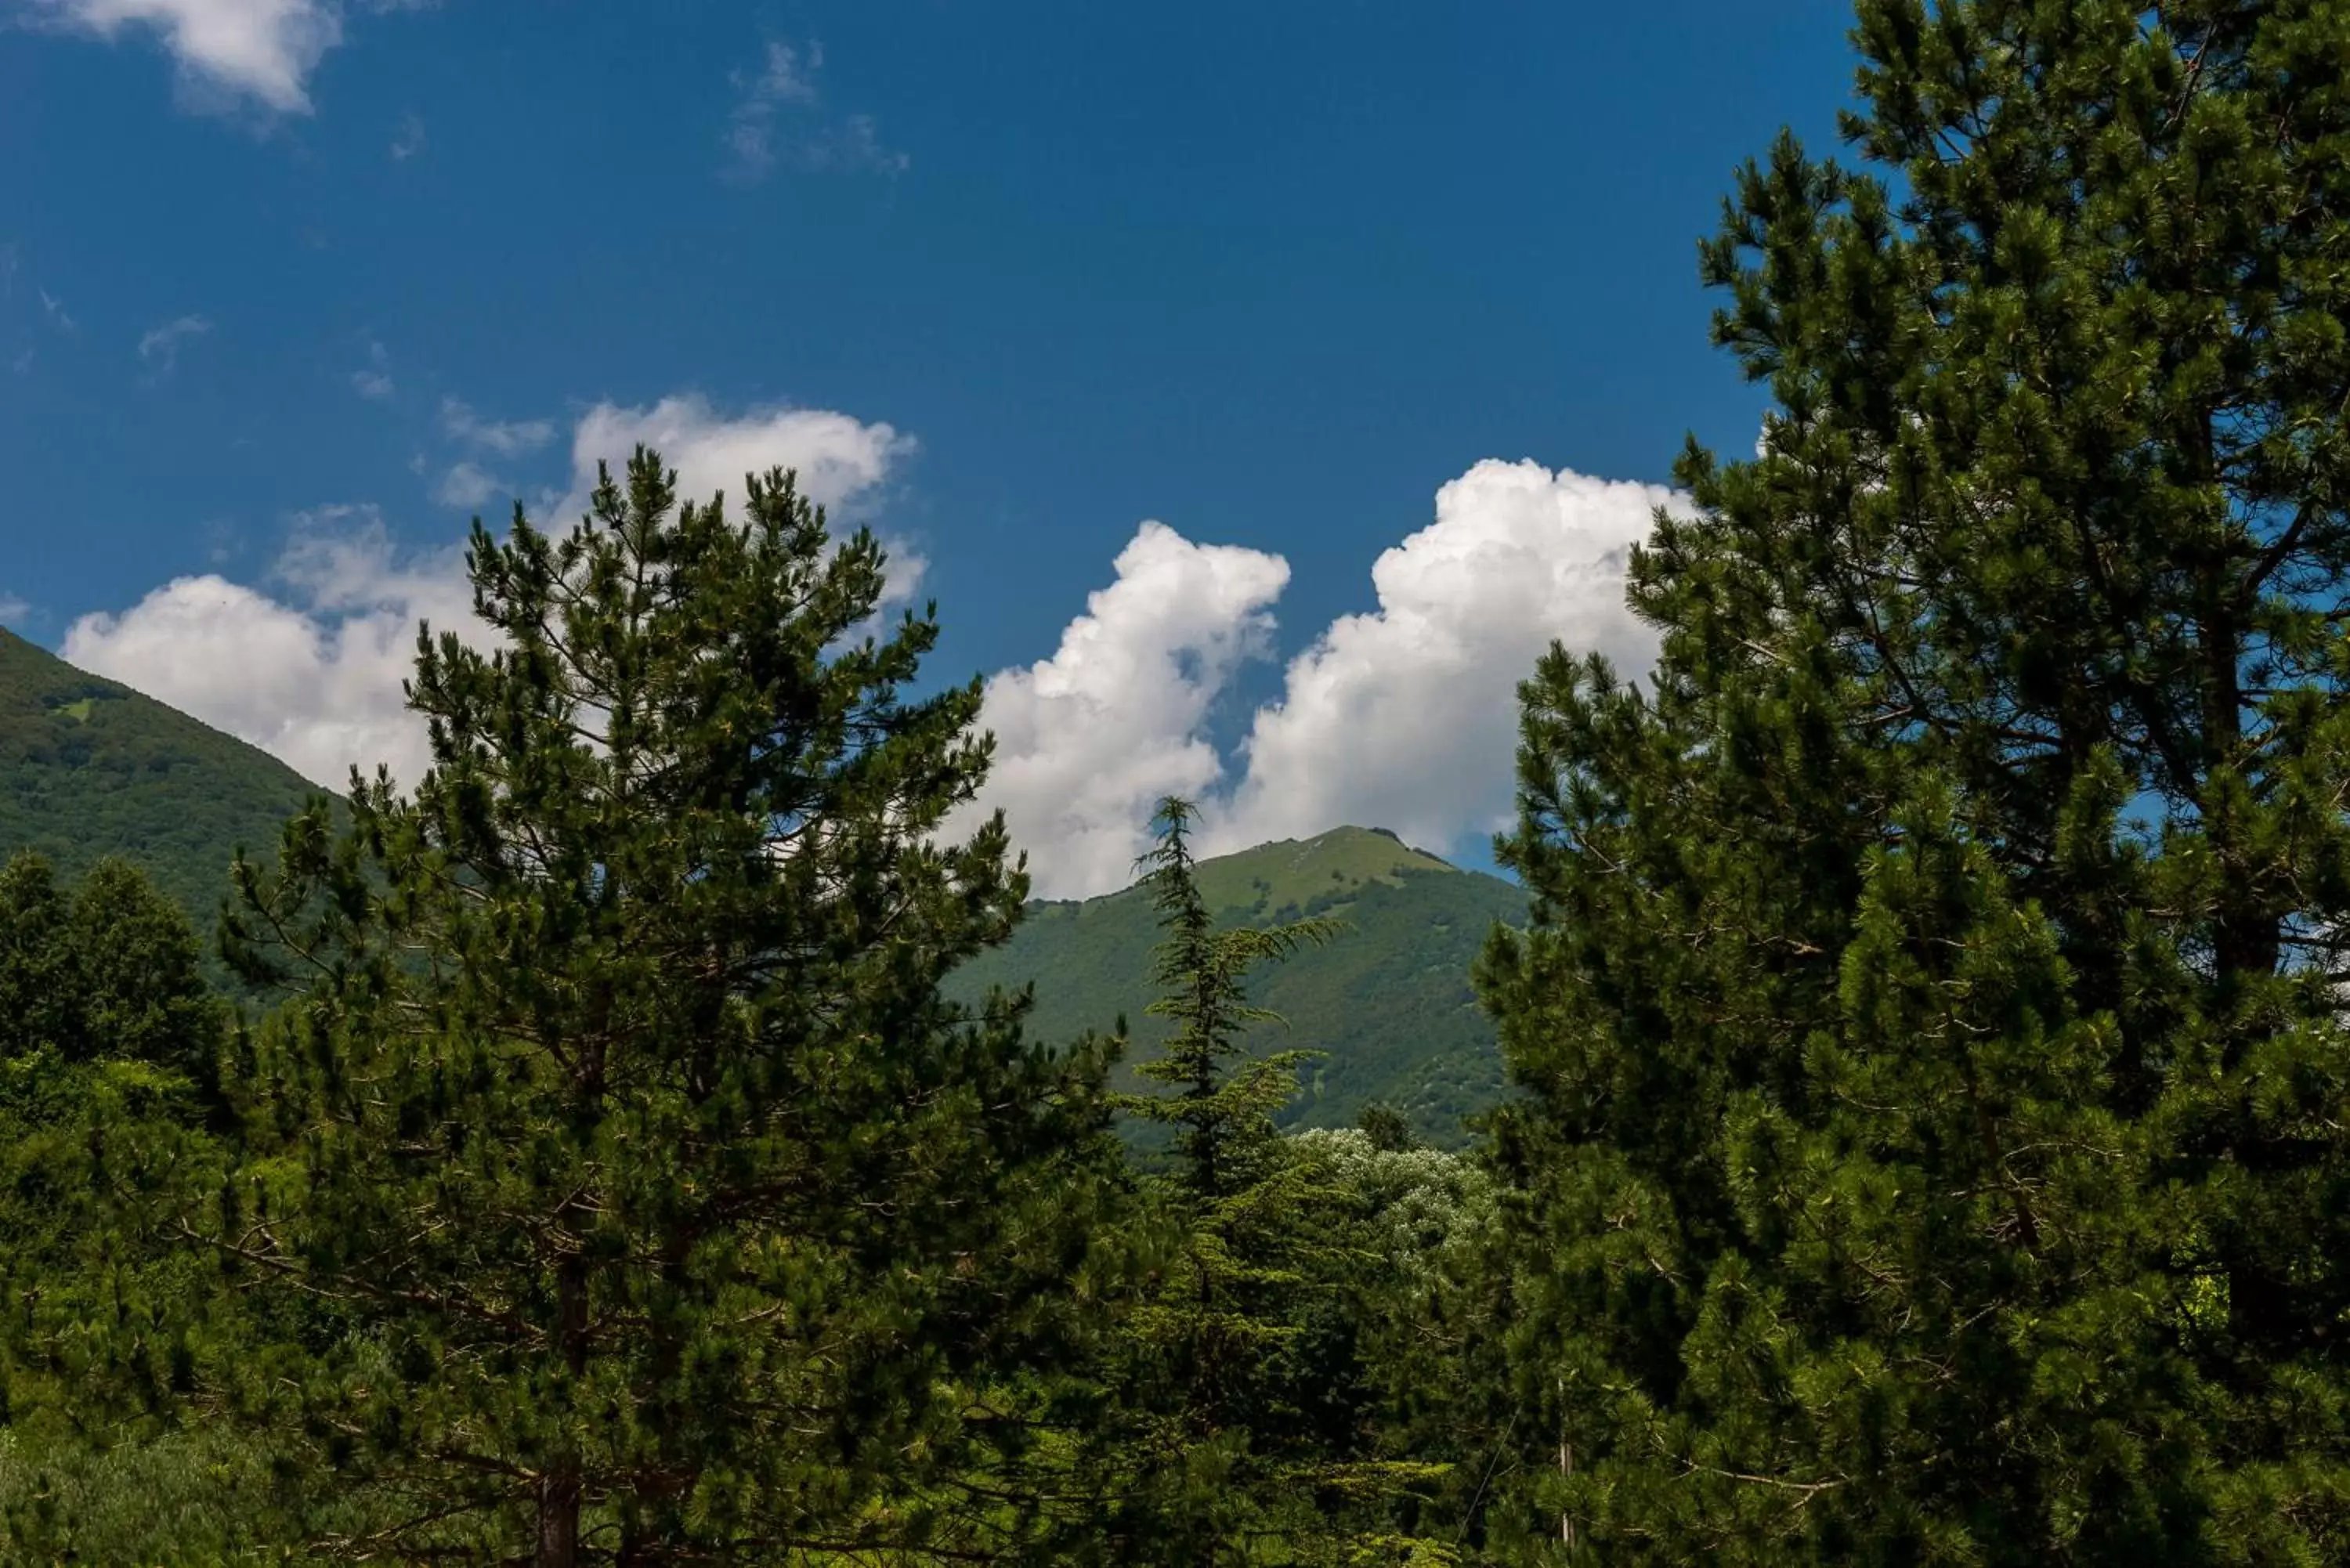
[[90, 768], [1389, 1000]]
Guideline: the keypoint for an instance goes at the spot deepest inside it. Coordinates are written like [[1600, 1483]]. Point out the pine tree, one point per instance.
[[672, 1214], [1933, 1145]]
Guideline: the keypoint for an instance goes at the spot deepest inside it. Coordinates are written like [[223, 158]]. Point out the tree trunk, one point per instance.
[[558, 1517], [558, 1487]]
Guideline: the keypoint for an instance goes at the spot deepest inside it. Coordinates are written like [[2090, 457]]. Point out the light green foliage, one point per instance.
[[1388, 1013], [670, 1209], [1417, 1214], [1277, 880], [1934, 1147], [196, 1498], [108, 1041]]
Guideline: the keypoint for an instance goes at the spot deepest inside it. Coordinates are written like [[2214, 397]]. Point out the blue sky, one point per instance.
[[288, 288]]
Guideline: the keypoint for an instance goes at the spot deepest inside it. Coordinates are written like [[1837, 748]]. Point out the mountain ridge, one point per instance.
[[91, 767]]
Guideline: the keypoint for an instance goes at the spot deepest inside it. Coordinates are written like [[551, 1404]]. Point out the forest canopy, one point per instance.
[[1927, 1133]]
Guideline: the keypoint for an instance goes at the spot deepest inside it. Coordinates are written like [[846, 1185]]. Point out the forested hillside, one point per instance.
[[90, 768], [1386, 1002]]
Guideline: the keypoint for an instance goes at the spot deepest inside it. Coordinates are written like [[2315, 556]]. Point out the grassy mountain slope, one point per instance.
[[1389, 1000], [90, 768]]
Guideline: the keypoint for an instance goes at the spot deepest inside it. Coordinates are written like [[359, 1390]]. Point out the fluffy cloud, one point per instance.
[[311, 668], [837, 457], [315, 681], [1403, 717], [1406, 717], [840, 461], [1087, 739], [263, 50]]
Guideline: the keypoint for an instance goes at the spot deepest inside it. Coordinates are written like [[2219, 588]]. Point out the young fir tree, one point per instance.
[[673, 1214], [1933, 1142], [1235, 1461]]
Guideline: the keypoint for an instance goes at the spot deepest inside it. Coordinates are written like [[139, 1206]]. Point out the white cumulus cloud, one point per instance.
[[1088, 739], [314, 677], [840, 460], [264, 50], [309, 665], [1406, 717], [1402, 717]]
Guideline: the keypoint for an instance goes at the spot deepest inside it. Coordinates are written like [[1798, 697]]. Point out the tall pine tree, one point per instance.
[[1935, 1134], [672, 1214]]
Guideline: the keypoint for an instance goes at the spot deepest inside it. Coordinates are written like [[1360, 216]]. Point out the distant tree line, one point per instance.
[[1931, 1129]]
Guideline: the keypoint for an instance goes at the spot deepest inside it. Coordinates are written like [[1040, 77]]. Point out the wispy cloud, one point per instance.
[[408, 140], [13, 608], [55, 310], [506, 438], [161, 347], [469, 485], [778, 120], [374, 382]]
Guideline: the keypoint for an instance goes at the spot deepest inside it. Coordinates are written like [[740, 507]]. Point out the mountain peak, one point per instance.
[[1387, 1002], [1299, 871]]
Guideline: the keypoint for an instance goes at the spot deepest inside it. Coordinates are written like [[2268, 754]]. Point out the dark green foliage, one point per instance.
[[90, 769], [1937, 1141], [111, 971], [672, 1212], [1388, 1011], [1385, 1128]]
